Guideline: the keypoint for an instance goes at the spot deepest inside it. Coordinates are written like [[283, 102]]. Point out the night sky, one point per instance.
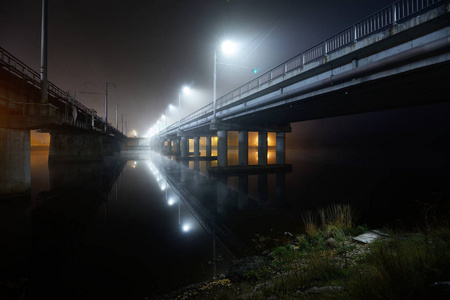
[[150, 49]]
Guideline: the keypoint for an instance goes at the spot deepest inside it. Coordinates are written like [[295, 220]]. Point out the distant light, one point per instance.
[[186, 228], [186, 89], [171, 201], [255, 71], [229, 47]]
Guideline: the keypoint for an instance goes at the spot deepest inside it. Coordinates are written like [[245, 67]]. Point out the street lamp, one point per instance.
[[228, 48], [167, 113], [185, 90]]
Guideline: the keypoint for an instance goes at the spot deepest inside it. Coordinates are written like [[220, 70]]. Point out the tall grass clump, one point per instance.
[[337, 215], [335, 221], [310, 221], [404, 266]]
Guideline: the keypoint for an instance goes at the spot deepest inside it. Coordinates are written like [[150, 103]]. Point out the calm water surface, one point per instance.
[[140, 224]]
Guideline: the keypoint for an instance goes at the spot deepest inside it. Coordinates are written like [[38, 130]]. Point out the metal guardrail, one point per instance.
[[15, 66], [388, 16]]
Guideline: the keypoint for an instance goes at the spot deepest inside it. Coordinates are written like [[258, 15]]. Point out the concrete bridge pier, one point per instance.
[[222, 148], [176, 149], [169, 146], [15, 174], [184, 147], [196, 147], [79, 147], [243, 148], [208, 146], [262, 148], [280, 148], [110, 145]]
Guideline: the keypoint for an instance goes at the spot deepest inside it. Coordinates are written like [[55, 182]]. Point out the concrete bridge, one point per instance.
[[397, 57], [77, 133]]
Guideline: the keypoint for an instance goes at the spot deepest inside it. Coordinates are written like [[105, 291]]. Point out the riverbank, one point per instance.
[[330, 262]]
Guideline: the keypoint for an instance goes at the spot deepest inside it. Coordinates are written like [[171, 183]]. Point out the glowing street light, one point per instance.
[[186, 227], [228, 48]]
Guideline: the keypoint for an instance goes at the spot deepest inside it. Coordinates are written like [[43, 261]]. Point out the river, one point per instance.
[[139, 224]]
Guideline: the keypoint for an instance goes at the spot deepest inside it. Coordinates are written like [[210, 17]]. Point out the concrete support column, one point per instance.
[[15, 174], [243, 148], [110, 145], [177, 149], [222, 148], [196, 146], [184, 147], [262, 148], [162, 145], [79, 147], [281, 148], [169, 146], [208, 146]]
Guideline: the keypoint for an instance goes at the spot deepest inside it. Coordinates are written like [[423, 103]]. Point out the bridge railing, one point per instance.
[[388, 16], [12, 64]]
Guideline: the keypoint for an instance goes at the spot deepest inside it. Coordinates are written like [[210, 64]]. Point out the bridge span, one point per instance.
[[77, 133], [397, 57]]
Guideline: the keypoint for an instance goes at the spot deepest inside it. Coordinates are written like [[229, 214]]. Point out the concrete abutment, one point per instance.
[[15, 173]]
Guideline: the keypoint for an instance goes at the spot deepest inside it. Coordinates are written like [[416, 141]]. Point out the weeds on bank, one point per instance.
[[403, 266]]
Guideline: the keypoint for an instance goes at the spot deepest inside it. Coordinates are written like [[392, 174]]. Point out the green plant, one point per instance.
[[310, 221], [403, 267]]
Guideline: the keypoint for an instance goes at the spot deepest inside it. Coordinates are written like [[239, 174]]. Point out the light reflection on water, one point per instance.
[[124, 239], [132, 236]]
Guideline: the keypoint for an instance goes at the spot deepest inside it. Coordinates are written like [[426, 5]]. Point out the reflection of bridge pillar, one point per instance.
[[196, 146], [222, 148], [79, 147], [280, 148], [184, 147], [243, 148], [280, 187], [222, 194], [15, 176], [262, 188], [262, 148], [243, 191], [208, 146]]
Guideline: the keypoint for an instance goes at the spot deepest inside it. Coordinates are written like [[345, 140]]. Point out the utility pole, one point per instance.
[[117, 118], [122, 123], [106, 99], [44, 78]]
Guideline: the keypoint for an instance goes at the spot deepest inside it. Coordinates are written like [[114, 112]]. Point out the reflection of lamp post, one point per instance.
[[228, 48], [185, 90]]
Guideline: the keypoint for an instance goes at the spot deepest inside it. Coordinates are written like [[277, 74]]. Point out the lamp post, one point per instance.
[[185, 90], [228, 48]]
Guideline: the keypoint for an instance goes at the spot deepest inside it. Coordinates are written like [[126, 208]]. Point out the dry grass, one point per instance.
[[334, 219]]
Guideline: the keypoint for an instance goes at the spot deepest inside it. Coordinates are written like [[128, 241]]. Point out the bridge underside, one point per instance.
[[423, 86]]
